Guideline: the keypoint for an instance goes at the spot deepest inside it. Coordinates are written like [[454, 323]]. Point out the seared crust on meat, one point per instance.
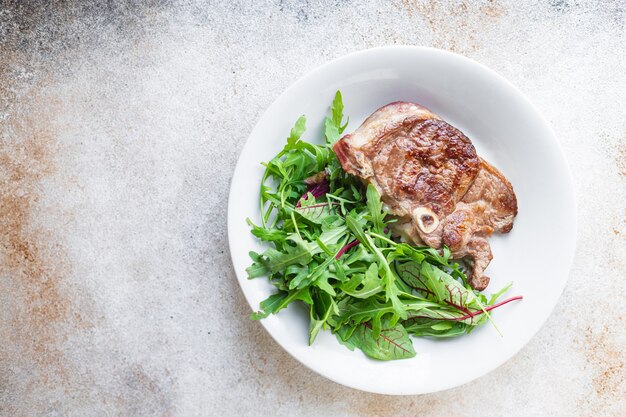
[[427, 161], [430, 178], [416, 156]]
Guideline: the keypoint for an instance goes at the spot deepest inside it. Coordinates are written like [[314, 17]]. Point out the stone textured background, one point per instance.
[[120, 126]]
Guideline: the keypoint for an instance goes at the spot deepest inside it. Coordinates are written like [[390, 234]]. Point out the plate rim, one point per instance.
[[410, 49]]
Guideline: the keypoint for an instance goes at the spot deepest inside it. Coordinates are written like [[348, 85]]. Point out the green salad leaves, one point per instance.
[[332, 249]]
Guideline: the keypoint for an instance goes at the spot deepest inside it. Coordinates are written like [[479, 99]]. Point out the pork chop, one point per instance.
[[429, 176]]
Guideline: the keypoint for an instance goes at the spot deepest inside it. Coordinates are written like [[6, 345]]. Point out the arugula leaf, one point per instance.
[[297, 131], [302, 294], [375, 209], [319, 273], [330, 131], [494, 297], [322, 282], [273, 260], [359, 311], [364, 285], [320, 311], [269, 306], [337, 111], [330, 237], [258, 267], [332, 125], [391, 291], [265, 234]]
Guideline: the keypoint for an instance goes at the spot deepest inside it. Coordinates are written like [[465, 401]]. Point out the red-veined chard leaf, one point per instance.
[[438, 284], [393, 341], [433, 328], [314, 211]]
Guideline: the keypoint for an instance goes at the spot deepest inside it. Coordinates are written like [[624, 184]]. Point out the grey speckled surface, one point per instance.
[[120, 127]]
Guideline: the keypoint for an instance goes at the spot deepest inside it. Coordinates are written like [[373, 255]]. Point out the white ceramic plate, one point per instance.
[[506, 129]]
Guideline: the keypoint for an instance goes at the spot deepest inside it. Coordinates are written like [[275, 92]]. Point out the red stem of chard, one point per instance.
[[501, 303], [472, 314], [346, 248]]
